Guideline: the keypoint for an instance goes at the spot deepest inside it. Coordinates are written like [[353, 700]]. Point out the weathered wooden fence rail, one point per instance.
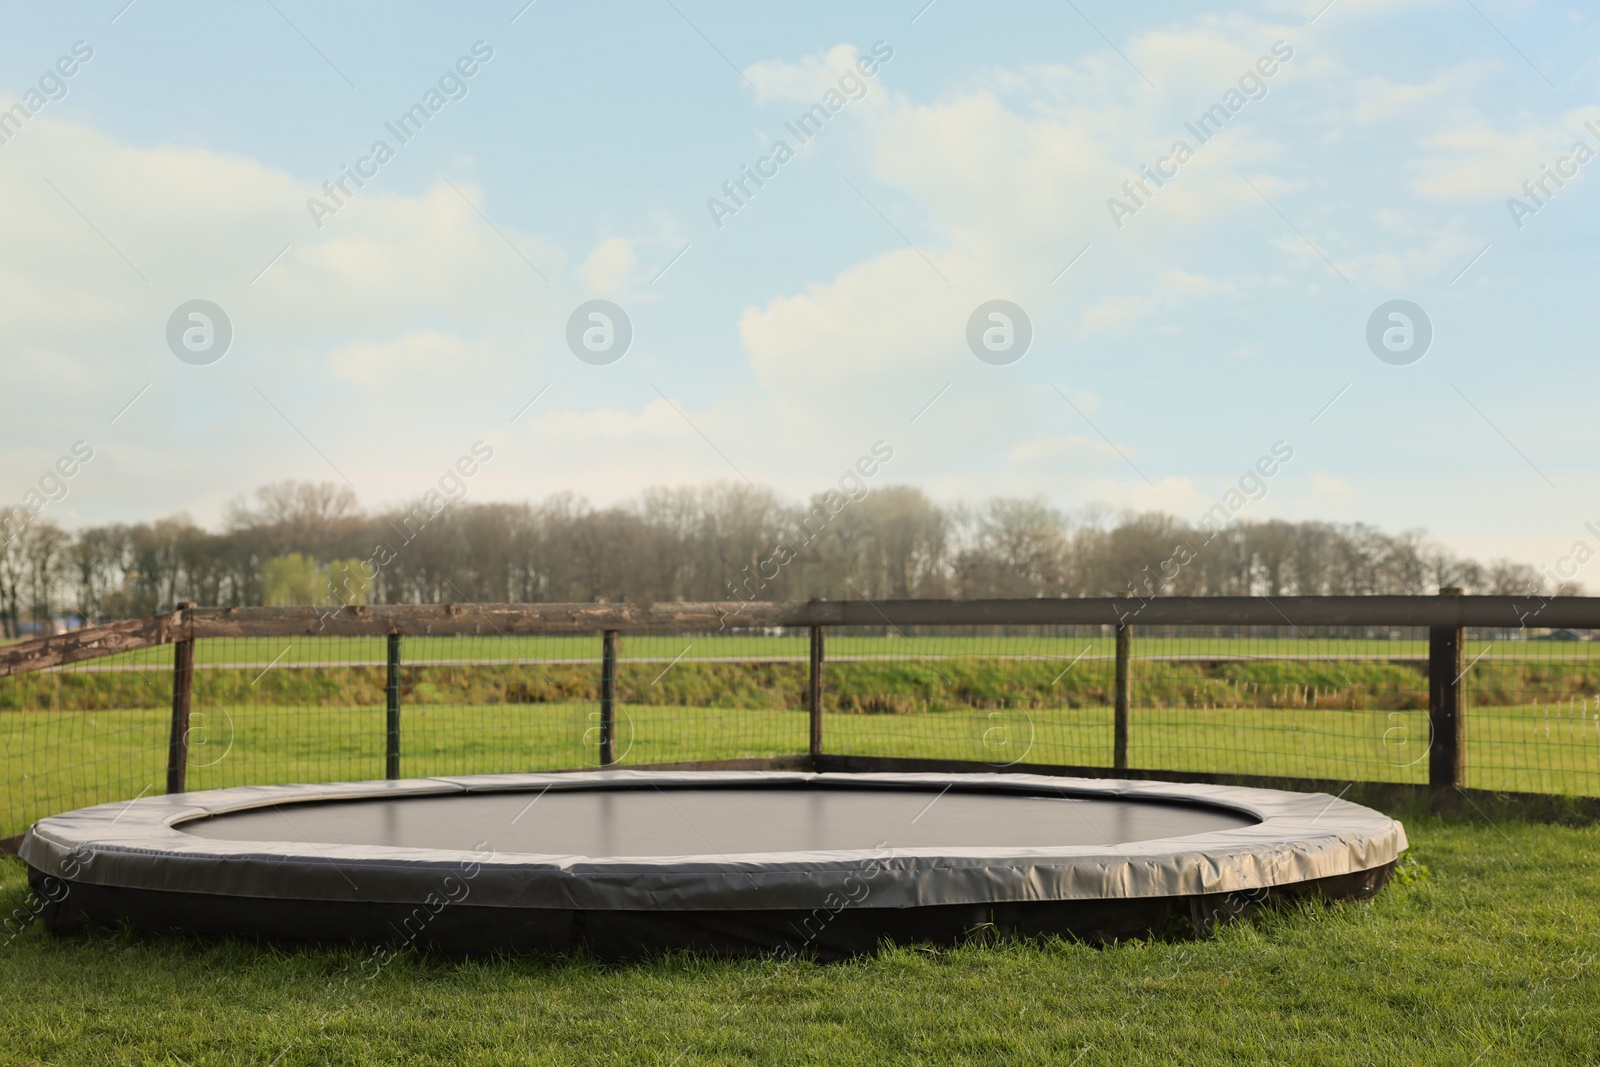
[[1441, 612]]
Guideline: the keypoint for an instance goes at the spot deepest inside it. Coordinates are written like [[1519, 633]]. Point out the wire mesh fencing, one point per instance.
[[998, 695], [1318, 703], [694, 697], [1298, 702], [266, 711], [1313, 703], [1533, 711], [85, 733], [1261, 702], [314, 709]]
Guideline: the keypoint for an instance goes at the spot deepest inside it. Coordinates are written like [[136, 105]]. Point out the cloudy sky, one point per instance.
[[1356, 153]]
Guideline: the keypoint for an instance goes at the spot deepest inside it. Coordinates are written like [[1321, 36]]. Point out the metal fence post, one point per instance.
[[182, 690], [814, 692], [1119, 749], [608, 698], [391, 747], [1446, 738]]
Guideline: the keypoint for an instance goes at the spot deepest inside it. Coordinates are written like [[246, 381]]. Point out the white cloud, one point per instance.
[[609, 266], [1001, 197], [1473, 160], [1172, 288], [402, 310], [1379, 99], [1327, 485], [803, 81], [1174, 495], [202, 224], [418, 357], [1060, 449], [883, 318], [656, 420]]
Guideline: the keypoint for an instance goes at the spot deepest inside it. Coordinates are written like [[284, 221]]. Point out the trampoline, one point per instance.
[[631, 863]]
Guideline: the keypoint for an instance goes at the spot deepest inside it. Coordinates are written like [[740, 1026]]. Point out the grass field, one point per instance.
[[1485, 955]]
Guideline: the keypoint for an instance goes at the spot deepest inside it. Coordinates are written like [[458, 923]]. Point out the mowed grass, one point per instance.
[[1486, 954], [58, 760]]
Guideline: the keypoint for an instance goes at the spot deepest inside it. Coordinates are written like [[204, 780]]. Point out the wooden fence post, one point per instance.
[[182, 689], [1119, 751], [391, 747], [1446, 737], [608, 698], [814, 701]]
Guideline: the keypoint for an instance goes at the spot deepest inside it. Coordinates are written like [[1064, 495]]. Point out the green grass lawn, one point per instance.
[[1487, 955]]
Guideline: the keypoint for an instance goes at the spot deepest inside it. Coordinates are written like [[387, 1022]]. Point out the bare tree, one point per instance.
[[726, 541]]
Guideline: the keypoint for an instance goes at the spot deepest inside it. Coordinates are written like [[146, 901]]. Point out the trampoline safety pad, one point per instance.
[[630, 863]]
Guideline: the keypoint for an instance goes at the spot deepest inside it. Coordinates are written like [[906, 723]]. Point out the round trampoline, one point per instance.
[[630, 863]]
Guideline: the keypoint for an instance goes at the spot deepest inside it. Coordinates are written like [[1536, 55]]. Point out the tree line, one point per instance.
[[298, 542]]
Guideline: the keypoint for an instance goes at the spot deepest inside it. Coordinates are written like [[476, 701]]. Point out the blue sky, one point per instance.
[[1228, 313]]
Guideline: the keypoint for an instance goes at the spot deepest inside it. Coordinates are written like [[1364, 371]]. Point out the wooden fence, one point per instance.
[[1445, 617]]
